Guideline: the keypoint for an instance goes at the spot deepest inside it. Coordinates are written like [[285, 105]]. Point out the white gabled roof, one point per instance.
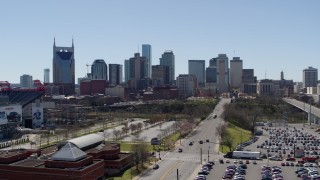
[[69, 152]]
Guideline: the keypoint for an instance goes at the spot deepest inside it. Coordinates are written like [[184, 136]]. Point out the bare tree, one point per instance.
[[228, 141], [133, 127], [221, 131], [139, 126], [116, 134]]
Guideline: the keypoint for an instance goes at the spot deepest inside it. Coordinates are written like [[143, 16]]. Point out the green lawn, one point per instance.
[[235, 133]]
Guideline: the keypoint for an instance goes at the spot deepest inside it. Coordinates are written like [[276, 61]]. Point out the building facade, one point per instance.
[[236, 66], [126, 70], [168, 59], [46, 76], [146, 52], [26, 81], [187, 85], [115, 74], [64, 69], [160, 75], [310, 77], [222, 73], [137, 70], [99, 70], [197, 68], [249, 82]]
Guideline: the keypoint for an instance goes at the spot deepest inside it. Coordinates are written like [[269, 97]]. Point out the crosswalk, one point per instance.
[[189, 159]]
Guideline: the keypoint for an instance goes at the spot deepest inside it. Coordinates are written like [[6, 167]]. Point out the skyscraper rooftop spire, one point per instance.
[[72, 42], [54, 41]]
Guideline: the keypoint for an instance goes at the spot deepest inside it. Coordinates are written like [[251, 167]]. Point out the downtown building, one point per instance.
[[97, 82], [99, 70], [187, 85], [160, 75], [310, 77], [211, 78], [115, 74], [26, 81], [136, 72], [46, 76], [236, 66], [64, 69], [168, 59], [197, 68], [222, 73], [147, 53], [248, 82]]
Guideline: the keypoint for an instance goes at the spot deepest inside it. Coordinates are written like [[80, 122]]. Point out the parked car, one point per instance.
[[156, 166]]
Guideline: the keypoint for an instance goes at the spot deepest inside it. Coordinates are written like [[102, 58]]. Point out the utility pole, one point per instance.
[[208, 153], [200, 155], [177, 174]]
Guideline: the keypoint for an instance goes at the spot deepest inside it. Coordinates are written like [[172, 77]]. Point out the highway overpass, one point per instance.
[[313, 112]]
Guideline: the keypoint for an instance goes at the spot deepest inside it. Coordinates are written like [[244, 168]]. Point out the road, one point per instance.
[[303, 106], [189, 161]]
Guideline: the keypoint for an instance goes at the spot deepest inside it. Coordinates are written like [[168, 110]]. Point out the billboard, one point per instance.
[[10, 114], [37, 117]]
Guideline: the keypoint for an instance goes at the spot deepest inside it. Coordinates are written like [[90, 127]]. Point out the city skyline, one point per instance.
[[267, 42]]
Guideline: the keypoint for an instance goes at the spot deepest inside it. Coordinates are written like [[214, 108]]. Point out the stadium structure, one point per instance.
[[12, 104]]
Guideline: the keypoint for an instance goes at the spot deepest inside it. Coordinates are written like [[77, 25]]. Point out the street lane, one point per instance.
[[188, 162]]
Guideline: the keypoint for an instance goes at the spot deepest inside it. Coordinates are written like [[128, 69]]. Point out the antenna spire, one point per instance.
[[54, 41]]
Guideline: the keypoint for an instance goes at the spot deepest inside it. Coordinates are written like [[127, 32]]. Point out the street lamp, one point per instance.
[[208, 153]]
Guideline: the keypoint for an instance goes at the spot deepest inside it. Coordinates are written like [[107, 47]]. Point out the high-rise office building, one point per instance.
[[115, 74], [146, 52], [211, 74], [236, 67], [222, 73], [137, 67], [26, 81], [197, 68], [213, 62], [310, 77], [249, 82], [126, 70], [64, 68], [160, 75], [211, 71], [187, 84], [46, 76], [99, 69], [168, 59]]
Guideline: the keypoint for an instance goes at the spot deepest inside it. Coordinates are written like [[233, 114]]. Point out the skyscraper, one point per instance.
[[115, 74], [136, 70], [310, 77], [146, 52], [99, 69], [187, 84], [160, 75], [236, 67], [168, 59], [197, 68], [26, 81], [211, 74], [126, 70], [249, 82], [64, 68], [46, 76], [222, 73]]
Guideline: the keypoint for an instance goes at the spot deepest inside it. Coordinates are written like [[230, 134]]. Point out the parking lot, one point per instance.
[[279, 144]]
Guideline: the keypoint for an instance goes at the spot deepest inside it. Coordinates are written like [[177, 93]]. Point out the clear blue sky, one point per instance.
[[269, 36]]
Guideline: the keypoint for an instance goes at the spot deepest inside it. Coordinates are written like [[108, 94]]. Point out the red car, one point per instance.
[[283, 164], [291, 159]]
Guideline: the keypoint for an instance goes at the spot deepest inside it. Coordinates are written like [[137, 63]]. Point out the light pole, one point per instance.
[[208, 153]]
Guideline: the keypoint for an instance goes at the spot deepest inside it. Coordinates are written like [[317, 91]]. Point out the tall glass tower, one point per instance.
[[146, 52], [167, 59], [99, 69]]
